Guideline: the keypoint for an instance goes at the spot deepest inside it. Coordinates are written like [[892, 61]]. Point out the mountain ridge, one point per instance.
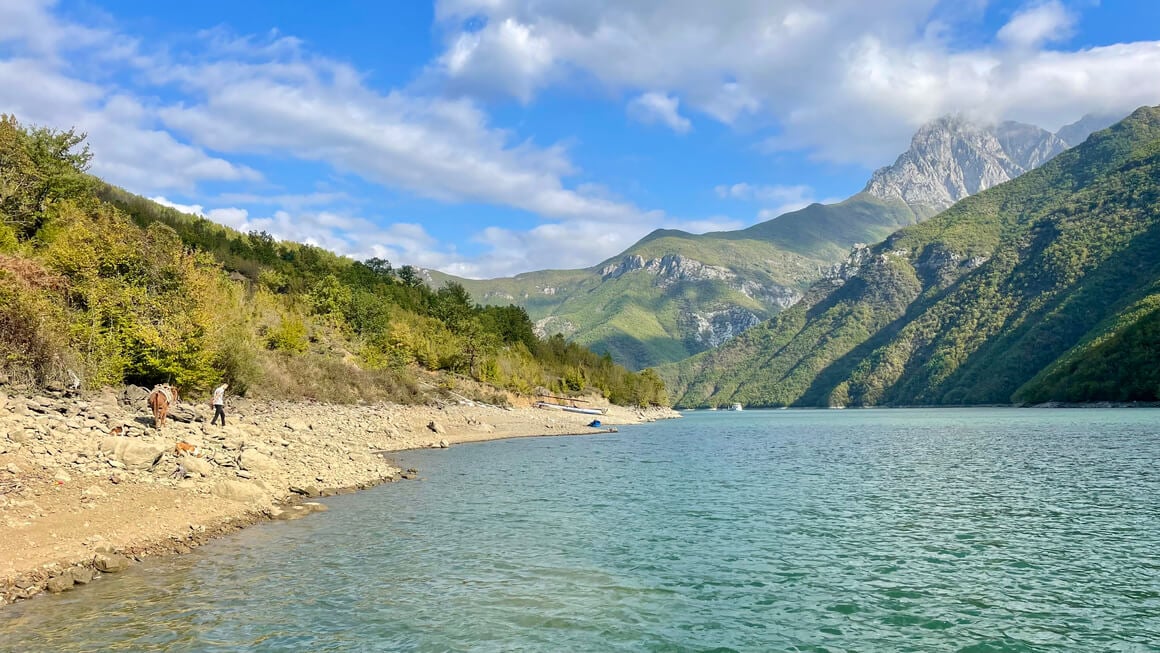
[[1019, 293], [676, 294]]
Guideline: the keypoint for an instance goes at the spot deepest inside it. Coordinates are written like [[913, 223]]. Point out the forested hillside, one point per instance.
[[674, 294], [1044, 288], [100, 287]]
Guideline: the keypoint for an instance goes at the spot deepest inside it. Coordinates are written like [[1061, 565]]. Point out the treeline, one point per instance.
[[99, 286]]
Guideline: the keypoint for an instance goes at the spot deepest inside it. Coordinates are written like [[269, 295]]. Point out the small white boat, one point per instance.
[[570, 409], [737, 406]]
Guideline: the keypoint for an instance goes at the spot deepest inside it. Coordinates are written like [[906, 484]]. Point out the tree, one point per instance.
[[452, 305], [410, 276]]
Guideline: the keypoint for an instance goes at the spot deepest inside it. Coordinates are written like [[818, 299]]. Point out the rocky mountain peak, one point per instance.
[[953, 157]]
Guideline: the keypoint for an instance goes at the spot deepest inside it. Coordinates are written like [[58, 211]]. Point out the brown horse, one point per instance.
[[160, 399]]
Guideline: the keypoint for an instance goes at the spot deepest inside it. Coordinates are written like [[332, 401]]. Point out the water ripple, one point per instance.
[[950, 530]]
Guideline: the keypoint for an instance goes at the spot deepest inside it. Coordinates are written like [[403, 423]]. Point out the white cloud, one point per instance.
[[131, 150], [846, 80], [765, 193], [778, 199], [191, 209], [652, 108], [1037, 24], [269, 97]]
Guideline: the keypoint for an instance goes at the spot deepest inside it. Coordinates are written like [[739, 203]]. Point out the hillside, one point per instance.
[[674, 294], [1046, 287], [101, 287]]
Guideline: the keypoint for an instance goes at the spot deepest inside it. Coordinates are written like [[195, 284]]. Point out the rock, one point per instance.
[[110, 563], [134, 395], [296, 425], [242, 491], [198, 466], [58, 584], [241, 473], [94, 492], [183, 413], [134, 453], [298, 511], [436, 427], [951, 158], [62, 476], [81, 575], [308, 491], [13, 468], [254, 461]]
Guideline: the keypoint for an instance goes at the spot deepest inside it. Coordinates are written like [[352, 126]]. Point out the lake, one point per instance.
[[971, 530]]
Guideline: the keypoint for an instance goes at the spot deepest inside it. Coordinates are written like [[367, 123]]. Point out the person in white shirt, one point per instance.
[[219, 404]]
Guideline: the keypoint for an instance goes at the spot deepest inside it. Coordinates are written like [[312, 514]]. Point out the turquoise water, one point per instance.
[[872, 530]]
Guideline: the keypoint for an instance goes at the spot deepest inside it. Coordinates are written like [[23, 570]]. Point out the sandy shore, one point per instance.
[[79, 498]]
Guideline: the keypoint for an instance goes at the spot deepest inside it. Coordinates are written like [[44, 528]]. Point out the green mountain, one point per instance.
[[674, 294], [1043, 288]]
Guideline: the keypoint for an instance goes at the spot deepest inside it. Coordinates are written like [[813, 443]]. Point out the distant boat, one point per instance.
[[736, 406], [570, 409]]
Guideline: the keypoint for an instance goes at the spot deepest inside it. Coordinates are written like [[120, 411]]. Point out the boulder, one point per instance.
[[242, 491], [436, 427], [308, 491], [134, 453], [198, 466], [110, 563], [81, 575], [185, 414], [58, 584], [254, 461], [134, 395]]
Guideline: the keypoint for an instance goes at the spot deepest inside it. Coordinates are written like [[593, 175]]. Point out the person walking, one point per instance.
[[219, 404]]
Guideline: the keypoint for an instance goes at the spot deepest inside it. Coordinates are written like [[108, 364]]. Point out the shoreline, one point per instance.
[[80, 498]]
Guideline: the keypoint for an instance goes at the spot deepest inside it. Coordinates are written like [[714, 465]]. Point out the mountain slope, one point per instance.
[[674, 294], [1022, 292]]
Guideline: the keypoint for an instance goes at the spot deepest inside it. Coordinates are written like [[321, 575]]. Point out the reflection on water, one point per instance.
[[886, 530]]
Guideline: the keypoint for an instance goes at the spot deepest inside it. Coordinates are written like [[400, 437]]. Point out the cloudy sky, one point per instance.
[[490, 137]]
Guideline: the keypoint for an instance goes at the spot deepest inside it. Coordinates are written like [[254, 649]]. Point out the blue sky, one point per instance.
[[490, 137]]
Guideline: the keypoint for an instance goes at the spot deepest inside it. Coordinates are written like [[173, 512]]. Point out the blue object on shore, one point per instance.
[[594, 423]]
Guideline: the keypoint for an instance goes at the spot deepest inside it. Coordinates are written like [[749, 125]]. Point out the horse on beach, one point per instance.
[[161, 398]]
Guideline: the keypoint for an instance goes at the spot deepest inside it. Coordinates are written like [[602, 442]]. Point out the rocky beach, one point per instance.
[[88, 485]]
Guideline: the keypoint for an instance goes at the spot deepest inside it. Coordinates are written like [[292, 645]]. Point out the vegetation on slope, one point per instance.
[[644, 319], [1024, 292], [99, 286]]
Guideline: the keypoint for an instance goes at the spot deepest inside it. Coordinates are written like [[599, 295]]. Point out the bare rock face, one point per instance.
[[711, 328], [952, 158]]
